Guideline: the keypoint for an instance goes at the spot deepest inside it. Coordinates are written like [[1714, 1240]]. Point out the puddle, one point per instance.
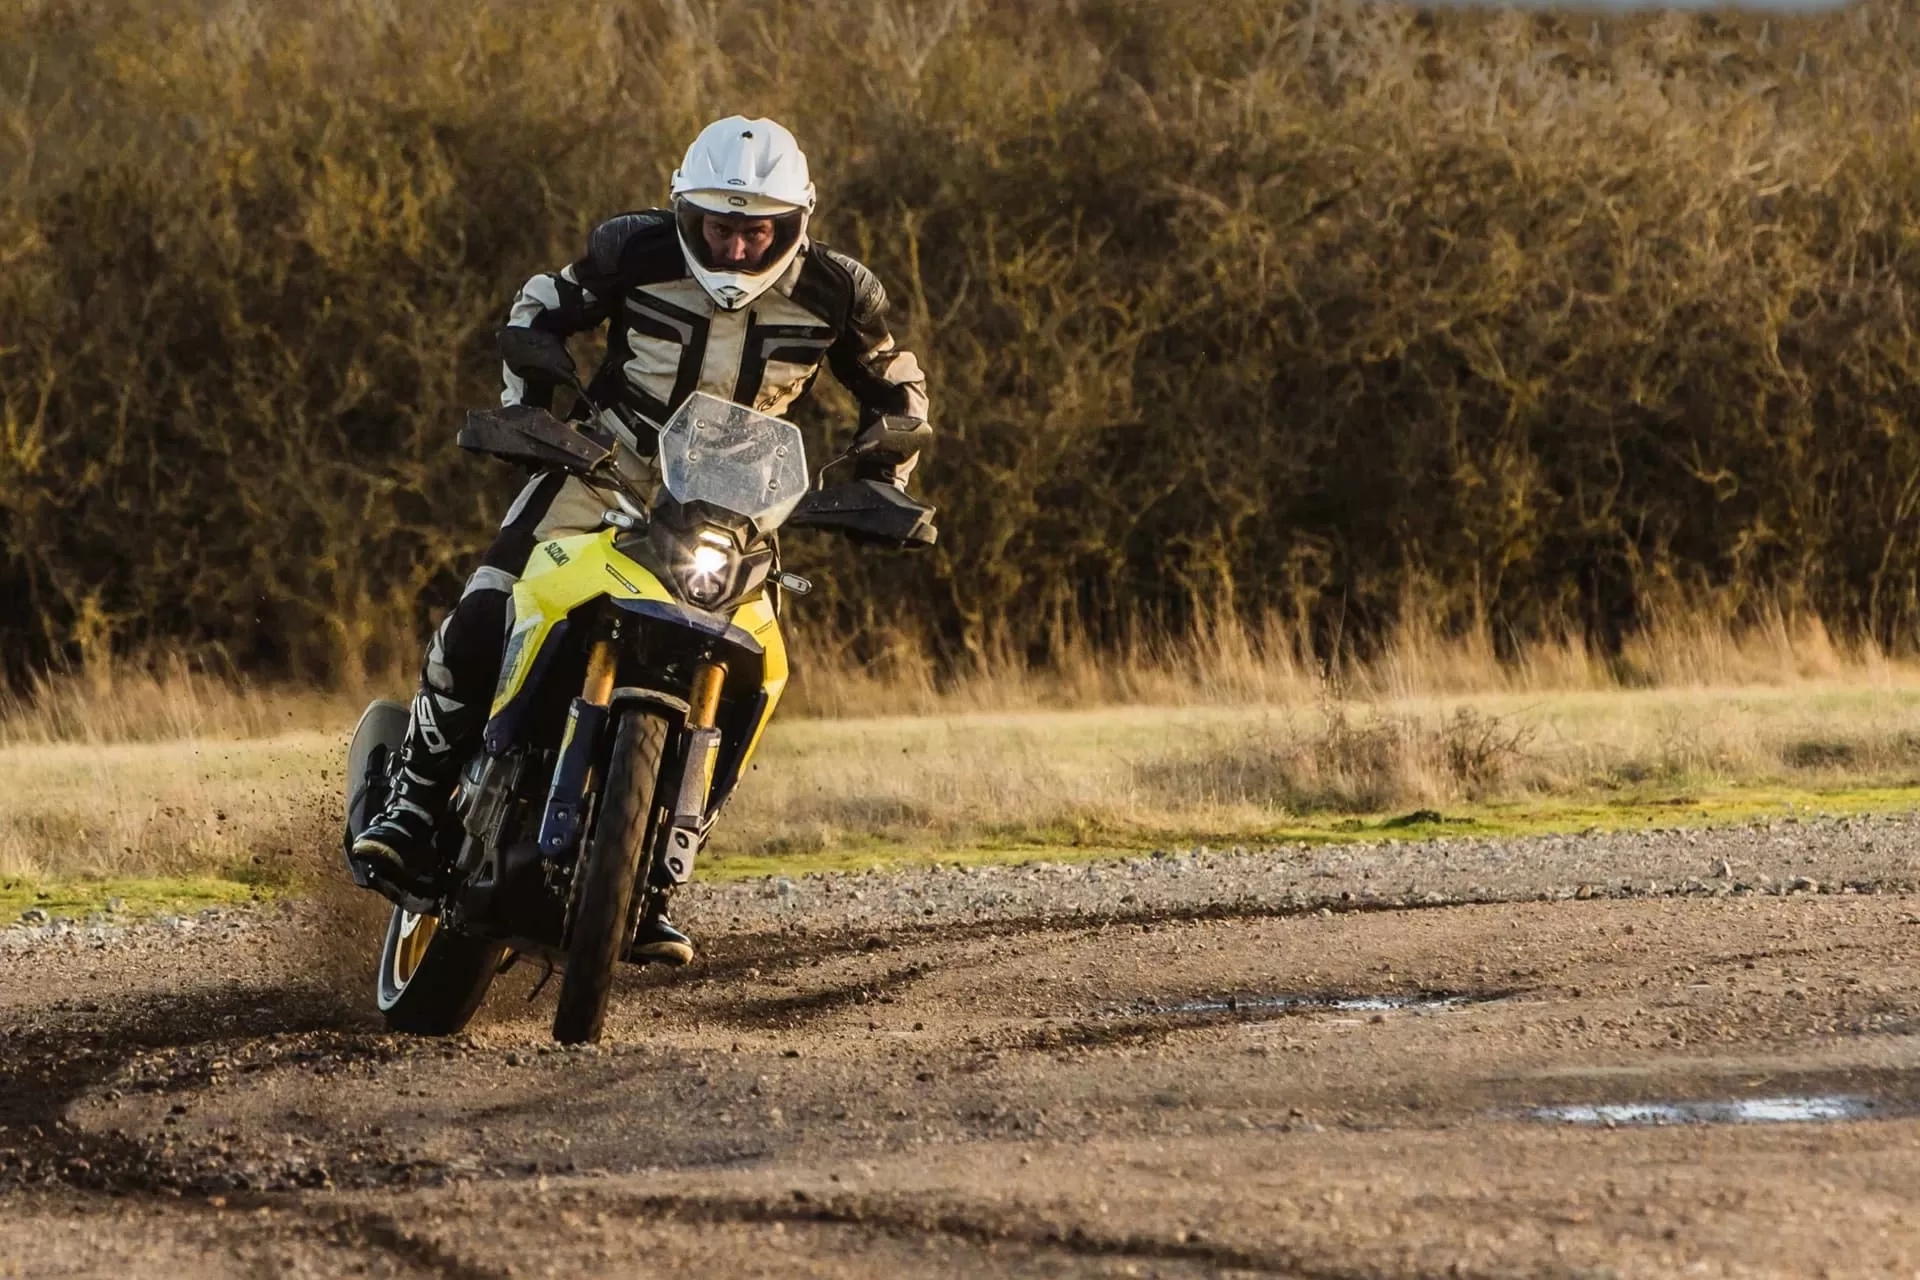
[[1423, 1002], [1807, 1109]]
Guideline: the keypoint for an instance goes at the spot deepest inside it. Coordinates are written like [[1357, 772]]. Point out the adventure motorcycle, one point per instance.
[[642, 666]]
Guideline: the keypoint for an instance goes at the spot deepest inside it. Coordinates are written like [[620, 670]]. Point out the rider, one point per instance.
[[722, 293]]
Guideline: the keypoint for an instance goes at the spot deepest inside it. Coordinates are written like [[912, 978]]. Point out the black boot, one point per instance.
[[656, 941], [400, 847]]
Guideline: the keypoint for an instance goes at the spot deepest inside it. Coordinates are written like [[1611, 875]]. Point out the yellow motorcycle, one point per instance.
[[641, 667]]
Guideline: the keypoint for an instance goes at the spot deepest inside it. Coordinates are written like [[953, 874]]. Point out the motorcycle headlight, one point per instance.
[[708, 567], [701, 561]]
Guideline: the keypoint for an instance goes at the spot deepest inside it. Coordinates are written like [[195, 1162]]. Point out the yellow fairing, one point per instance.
[[561, 576], [756, 618], [566, 573]]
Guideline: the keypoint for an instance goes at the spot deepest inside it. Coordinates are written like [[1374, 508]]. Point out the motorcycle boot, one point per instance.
[[400, 847], [656, 941]]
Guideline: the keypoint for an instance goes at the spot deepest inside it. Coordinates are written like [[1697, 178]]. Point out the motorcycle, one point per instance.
[[642, 665]]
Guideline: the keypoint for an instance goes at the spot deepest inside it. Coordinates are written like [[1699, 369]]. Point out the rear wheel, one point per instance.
[[604, 882], [432, 980]]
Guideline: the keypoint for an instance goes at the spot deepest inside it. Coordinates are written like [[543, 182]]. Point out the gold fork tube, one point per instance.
[[601, 661], [704, 705]]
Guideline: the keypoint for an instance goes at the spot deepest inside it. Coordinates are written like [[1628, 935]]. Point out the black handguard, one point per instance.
[[868, 511], [533, 438]]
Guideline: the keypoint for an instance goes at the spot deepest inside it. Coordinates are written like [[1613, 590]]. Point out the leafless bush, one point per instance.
[[1476, 751], [1343, 760]]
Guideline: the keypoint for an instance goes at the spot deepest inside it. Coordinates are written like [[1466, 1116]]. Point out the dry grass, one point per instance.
[[168, 700], [257, 810], [1139, 775], [1221, 661], [1221, 735]]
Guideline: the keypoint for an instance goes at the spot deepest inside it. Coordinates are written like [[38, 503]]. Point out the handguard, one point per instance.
[[867, 511], [532, 437]]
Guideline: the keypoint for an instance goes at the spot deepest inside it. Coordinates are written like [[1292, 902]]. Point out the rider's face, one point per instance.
[[737, 242]]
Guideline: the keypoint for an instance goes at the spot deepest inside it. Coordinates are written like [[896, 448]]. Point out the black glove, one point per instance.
[[537, 355], [886, 447]]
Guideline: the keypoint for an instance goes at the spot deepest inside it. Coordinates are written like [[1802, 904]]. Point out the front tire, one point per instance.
[[604, 882], [432, 981]]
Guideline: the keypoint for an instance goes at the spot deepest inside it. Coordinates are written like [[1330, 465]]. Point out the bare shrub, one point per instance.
[[1343, 761], [1478, 751]]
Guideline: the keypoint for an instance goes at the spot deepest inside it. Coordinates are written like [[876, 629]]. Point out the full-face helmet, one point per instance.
[[741, 174]]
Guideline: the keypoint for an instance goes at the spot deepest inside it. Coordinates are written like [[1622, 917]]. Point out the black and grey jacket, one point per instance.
[[666, 339]]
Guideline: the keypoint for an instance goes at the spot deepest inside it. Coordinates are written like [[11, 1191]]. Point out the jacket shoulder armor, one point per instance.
[[850, 292], [626, 240]]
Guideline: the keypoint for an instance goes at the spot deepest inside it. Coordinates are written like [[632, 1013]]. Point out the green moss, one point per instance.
[[130, 898]]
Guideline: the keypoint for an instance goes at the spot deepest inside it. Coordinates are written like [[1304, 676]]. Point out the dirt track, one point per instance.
[[1040, 1073]]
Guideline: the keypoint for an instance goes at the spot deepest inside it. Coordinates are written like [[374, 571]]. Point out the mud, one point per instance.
[[1562, 1086]]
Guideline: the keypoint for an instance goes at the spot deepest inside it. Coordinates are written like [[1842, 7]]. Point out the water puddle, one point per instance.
[[1806, 1109], [1421, 1002]]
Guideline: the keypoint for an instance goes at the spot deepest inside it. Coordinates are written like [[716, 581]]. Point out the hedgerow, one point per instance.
[[1519, 321]]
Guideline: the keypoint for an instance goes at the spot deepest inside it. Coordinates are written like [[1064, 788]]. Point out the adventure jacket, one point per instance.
[[666, 339]]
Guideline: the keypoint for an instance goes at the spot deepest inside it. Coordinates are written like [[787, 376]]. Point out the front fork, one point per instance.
[[586, 722], [687, 821], [687, 794]]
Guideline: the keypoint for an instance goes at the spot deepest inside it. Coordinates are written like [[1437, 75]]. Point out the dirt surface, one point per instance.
[[1335, 1063]]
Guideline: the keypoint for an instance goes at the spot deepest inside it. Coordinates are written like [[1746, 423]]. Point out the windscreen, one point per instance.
[[745, 462]]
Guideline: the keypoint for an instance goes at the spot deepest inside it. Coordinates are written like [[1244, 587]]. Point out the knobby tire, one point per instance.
[[605, 880]]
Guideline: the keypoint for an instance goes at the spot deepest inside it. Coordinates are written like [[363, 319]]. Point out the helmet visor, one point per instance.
[[743, 243]]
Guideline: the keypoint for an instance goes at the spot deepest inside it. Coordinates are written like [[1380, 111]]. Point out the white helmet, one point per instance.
[[749, 168]]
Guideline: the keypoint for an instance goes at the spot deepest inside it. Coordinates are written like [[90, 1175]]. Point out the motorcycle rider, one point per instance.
[[723, 292]]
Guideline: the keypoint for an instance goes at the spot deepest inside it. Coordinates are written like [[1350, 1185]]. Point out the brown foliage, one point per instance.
[[1507, 323]]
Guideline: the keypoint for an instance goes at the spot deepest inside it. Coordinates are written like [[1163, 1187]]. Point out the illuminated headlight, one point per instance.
[[709, 568]]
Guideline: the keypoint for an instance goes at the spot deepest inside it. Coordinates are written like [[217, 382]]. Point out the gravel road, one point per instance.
[[1385, 1060]]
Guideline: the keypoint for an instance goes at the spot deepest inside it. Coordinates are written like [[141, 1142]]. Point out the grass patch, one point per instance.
[[121, 898]]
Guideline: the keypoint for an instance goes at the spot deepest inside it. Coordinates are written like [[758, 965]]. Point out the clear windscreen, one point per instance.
[[753, 465]]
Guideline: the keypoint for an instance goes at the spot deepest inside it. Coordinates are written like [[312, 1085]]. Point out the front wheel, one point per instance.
[[432, 980], [603, 883]]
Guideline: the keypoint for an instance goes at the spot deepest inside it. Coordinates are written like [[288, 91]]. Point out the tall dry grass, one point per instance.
[[167, 699], [1217, 661]]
